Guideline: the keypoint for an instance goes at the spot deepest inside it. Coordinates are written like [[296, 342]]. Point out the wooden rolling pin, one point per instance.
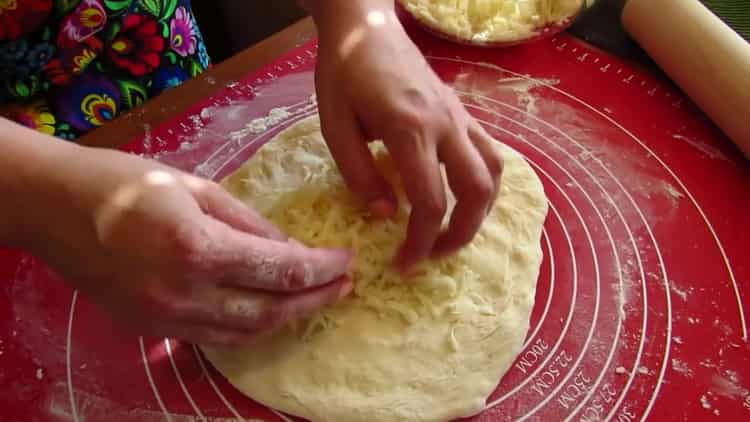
[[704, 56]]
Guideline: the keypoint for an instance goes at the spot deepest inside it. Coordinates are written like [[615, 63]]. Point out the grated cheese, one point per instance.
[[330, 217], [492, 20], [311, 203]]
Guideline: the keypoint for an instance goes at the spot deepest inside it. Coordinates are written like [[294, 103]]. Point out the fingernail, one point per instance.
[[345, 290], [409, 272], [440, 251], [404, 267], [382, 208], [345, 255]]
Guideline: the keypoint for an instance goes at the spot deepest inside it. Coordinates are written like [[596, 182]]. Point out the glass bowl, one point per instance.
[[410, 19]]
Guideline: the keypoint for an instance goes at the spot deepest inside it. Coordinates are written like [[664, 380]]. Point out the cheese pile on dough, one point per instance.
[[487, 21], [329, 216]]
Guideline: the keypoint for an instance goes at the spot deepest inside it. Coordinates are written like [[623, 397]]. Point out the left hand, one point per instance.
[[163, 252], [373, 83]]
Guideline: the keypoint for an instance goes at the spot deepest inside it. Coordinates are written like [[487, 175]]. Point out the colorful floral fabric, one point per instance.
[[68, 66]]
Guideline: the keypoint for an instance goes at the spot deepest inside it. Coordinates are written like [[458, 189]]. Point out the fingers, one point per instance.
[[349, 149], [485, 144], [257, 263], [262, 311], [233, 316], [418, 164], [203, 334], [219, 204], [474, 187]]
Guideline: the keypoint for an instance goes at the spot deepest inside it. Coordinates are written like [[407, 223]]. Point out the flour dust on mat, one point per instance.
[[429, 349]]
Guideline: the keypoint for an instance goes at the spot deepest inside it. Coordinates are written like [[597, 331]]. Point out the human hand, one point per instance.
[[171, 254], [373, 83]]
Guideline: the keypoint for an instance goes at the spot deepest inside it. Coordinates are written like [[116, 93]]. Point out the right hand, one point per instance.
[[170, 254], [374, 83]]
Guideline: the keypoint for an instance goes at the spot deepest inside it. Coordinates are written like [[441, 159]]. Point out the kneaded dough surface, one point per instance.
[[371, 364]]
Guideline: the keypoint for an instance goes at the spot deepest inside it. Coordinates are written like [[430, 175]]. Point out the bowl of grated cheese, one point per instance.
[[492, 23]]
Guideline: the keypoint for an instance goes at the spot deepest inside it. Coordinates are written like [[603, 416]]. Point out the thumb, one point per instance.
[[222, 206], [348, 147]]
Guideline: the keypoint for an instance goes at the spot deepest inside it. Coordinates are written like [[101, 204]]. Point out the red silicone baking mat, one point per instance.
[[641, 301]]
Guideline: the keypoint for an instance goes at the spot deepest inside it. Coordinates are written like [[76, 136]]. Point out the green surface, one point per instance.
[[736, 13]]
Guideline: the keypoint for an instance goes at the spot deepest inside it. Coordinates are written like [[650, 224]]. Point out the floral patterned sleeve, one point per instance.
[[68, 66]]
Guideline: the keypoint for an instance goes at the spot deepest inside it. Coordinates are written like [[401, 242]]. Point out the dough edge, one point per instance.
[[290, 376]]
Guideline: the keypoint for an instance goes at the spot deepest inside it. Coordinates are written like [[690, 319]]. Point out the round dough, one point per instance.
[[370, 364]]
